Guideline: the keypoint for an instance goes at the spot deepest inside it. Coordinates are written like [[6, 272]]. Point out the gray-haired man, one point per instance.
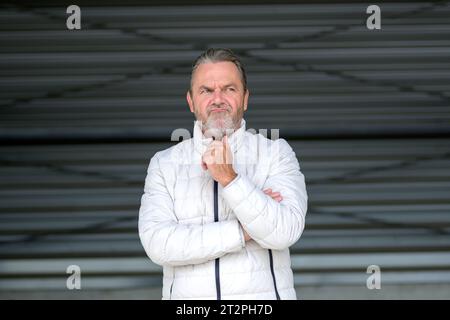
[[209, 214]]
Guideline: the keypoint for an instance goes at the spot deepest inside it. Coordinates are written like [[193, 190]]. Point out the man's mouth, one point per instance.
[[218, 110]]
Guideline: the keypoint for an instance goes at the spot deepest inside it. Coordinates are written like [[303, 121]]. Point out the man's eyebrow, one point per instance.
[[204, 87], [231, 84]]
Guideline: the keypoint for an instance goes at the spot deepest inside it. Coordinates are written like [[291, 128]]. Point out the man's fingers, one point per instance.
[[277, 198], [227, 153], [215, 144], [204, 166], [217, 150], [208, 158], [274, 195], [270, 193], [214, 147]]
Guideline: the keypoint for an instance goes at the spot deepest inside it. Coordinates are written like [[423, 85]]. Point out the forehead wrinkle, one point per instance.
[[211, 73], [215, 85]]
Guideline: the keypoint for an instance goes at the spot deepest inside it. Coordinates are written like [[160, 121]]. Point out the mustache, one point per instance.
[[216, 106]]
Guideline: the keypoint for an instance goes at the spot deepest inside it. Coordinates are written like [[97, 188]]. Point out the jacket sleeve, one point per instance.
[[273, 225], [168, 242]]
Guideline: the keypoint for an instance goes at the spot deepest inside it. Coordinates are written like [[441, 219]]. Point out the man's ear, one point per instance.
[[247, 93], [189, 101]]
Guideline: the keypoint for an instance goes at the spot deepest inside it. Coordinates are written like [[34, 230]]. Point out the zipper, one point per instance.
[[171, 286], [216, 219], [273, 274]]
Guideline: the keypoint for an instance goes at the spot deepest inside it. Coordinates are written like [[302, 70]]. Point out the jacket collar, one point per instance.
[[201, 143]]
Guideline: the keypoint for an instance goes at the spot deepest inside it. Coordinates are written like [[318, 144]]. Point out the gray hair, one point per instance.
[[213, 55]]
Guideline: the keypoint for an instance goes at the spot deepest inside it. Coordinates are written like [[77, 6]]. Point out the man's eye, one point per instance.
[[231, 89]]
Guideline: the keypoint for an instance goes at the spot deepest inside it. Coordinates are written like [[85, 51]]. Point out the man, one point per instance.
[[210, 214]]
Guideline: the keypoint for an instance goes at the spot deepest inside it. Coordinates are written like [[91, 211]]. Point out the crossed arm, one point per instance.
[[274, 220], [275, 196]]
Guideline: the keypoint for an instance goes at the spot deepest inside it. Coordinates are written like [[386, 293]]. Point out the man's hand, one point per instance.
[[246, 236], [275, 196], [218, 160]]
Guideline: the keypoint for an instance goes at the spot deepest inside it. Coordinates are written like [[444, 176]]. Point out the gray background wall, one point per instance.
[[367, 112]]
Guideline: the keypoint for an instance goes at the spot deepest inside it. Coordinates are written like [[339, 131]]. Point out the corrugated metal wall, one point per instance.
[[367, 112]]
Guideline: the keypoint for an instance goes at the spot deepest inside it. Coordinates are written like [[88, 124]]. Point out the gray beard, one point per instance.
[[218, 125]]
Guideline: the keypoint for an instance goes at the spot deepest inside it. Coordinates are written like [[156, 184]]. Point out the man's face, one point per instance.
[[218, 98]]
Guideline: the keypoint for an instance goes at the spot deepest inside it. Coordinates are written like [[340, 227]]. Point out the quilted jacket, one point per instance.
[[191, 226]]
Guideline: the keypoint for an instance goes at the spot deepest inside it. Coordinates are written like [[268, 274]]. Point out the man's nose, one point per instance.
[[218, 97]]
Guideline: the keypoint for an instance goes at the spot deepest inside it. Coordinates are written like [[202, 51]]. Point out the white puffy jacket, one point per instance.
[[190, 225]]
